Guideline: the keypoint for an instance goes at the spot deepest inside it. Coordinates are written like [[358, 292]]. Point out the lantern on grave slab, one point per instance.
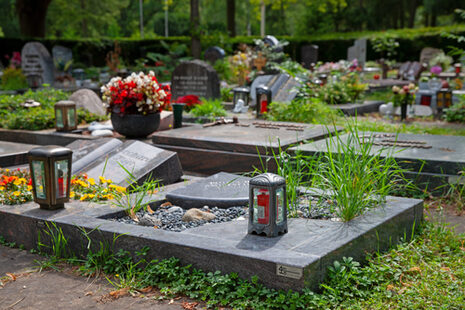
[[443, 99], [263, 97], [50, 168], [267, 205], [241, 93], [458, 68], [34, 80], [65, 115]]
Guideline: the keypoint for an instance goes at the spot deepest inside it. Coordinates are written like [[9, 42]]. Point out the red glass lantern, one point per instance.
[[263, 99], [267, 205]]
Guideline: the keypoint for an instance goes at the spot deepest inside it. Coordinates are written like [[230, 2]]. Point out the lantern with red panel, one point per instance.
[[50, 168], [263, 97], [267, 205]]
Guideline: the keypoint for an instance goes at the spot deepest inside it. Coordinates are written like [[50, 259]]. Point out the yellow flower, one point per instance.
[[29, 187], [17, 193], [243, 56], [7, 170], [109, 181], [91, 196], [19, 181], [2, 188], [102, 180], [72, 194], [84, 197], [117, 188], [91, 181]]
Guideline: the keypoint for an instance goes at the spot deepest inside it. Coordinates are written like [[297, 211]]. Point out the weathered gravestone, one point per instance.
[[414, 71], [36, 61], [143, 160], [222, 190], [283, 87], [428, 53], [195, 77], [403, 69], [309, 55], [87, 99], [62, 58], [213, 53], [358, 51]]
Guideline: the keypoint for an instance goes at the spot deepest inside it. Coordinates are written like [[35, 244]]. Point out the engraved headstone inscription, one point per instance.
[[36, 61]]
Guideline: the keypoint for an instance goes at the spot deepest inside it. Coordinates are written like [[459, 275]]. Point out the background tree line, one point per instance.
[[120, 18]]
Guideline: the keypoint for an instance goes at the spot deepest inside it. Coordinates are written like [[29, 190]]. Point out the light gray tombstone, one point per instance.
[[62, 58], [36, 60], [428, 53], [195, 77], [287, 91], [358, 51], [283, 87], [87, 99]]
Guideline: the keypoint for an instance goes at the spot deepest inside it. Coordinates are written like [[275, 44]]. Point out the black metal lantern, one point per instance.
[[241, 93], [263, 98], [51, 174], [443, 99], [65, 115], [267, 205]]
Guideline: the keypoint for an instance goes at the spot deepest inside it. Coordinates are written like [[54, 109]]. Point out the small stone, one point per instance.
[[148, 220], [240, 218], [102, 133], [174, 209], [300, 213], [194, 214]]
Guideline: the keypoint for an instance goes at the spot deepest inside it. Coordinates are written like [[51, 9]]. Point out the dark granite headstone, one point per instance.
[[88, 99], [62, 58], [309, 55], [36, 60], [221, 190], [14, 154], [195, 77], [283, 87], [214, 53], [86, 152], [141, 159]]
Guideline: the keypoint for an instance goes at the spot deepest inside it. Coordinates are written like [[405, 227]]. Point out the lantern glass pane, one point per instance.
[[280, 205], [71, 117], [38, 173], [61, 178], [261, 206], [263, 103], [59, 118]]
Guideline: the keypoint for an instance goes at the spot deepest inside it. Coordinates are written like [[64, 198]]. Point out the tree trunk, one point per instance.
[[196, 47], [401, 13], [84, 28], [31, 15], [412, 10], [433, 18], [262, 19], [231, 17]]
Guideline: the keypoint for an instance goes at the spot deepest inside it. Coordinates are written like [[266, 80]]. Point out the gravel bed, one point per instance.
[[170, 217]]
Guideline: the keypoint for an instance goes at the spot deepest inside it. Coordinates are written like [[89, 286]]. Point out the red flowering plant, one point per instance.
[[189, 100], [137, 94]]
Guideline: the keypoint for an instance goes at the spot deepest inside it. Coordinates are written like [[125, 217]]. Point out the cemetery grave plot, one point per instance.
[[14, 154], [234, 147], [431, 160]]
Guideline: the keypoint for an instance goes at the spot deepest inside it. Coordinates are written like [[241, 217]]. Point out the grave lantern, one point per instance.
[[458, 68], [65, 115], [263, 97], [241, 93], [50, 168], [267, 205], [34, 80], [443, 99], [79, 76]]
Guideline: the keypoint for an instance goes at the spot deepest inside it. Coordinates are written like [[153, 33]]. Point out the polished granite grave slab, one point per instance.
[[432, 160], [295, 260], [14, 154], [235, 147]]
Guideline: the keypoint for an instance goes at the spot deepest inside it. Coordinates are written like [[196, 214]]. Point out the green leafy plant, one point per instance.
[[52, 240], [302, 110], [456, 113], [211, 108], [13, 79], [386, 46]]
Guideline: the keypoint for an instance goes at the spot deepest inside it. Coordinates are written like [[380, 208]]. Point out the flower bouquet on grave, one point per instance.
[[404, 97]]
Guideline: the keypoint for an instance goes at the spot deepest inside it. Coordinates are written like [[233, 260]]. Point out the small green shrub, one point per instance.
[[209, 108], [456, 113], [13, 79], [310, 110]]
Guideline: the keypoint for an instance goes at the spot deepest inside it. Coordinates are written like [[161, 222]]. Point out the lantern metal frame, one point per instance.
[[48, 156], [69, 121], [443, 99], [272, 183], [259, 91], [241, 93]]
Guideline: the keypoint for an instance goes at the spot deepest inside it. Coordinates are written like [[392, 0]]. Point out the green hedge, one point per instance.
[[332, 46]]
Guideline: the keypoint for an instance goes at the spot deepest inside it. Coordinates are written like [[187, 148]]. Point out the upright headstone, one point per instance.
[[62, 58], [87, 99], [309, 55], [283, 87], [195, 77], [36, 60], [214, 53], [403, 69], [143, 160], [358, 51], [414, 71], [428, 53]]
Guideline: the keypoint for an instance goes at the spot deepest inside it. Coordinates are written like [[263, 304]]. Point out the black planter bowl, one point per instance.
[[135, 126]]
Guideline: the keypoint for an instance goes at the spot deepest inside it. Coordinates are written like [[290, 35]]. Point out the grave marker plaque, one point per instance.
[[195, 77], [36, 61], [141, 159], [62, 57], [221, 190]]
